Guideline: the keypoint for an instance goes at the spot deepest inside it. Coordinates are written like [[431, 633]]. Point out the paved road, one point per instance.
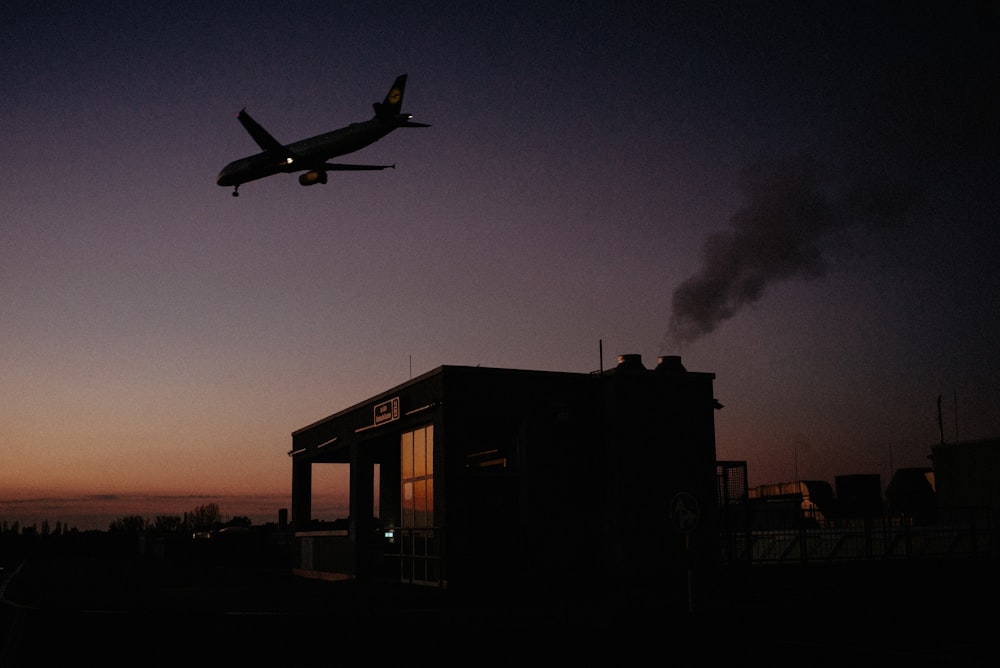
[[145, 612]]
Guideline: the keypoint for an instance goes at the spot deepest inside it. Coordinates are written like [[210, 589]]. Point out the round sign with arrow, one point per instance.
[[684, 512]]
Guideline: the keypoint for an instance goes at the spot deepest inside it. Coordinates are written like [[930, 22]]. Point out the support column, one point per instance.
[[361, 526], [301, 494]]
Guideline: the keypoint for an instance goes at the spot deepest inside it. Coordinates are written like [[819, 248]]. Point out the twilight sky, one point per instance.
[[797, 197]]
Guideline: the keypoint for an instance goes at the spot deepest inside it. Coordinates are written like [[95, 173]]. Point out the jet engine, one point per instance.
[[312, 178]]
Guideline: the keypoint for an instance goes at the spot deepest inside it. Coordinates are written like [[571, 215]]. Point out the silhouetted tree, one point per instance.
[[240, 521], [129, 524], [204, 517], [167, 523]]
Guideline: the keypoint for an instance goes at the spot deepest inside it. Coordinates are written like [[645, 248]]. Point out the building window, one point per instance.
[[420, 543], [417, 465]]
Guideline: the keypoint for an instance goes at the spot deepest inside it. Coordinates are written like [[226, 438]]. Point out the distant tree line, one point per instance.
[[234, 540], [205, 517], [15, 528]]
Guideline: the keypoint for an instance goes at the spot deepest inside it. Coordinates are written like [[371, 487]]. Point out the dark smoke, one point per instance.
[[778, 235]]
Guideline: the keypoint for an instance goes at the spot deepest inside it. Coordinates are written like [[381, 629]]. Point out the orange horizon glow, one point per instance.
[[97, 511]]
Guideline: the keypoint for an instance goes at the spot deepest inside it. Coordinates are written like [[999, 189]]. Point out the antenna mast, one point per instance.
[[940, 421], [956, 414]]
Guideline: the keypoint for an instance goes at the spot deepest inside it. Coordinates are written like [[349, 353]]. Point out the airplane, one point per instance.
[[311, 155]]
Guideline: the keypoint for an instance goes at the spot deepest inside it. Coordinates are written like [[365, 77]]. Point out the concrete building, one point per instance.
[[469, 475]]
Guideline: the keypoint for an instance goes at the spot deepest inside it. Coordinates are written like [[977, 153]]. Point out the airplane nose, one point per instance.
[[223, 179]]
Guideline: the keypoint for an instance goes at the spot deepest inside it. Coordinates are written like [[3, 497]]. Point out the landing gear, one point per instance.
[[236, 191]]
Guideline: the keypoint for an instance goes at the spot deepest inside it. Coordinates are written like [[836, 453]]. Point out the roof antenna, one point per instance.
[[940, 421], [955, 393], [600, 353]]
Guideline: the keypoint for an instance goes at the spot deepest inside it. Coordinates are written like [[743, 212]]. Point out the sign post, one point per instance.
[[685, 514]]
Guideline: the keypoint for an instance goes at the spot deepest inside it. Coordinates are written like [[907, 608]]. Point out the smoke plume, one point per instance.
[[777, 235]]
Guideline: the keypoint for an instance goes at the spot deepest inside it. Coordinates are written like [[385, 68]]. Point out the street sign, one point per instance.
[[684, 512]]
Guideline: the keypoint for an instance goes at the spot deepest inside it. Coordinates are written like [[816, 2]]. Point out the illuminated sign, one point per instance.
[[387, 411]]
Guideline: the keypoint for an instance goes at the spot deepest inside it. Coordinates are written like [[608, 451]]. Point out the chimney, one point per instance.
[[670, 364], [630, 363]]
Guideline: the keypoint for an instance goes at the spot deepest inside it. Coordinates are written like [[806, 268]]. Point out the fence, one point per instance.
[[761, 535]]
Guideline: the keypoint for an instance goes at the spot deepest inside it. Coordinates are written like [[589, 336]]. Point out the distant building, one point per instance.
[[911, 494], [945, 511], [787, 503], [492, 475], [859, 495], [965, 474]]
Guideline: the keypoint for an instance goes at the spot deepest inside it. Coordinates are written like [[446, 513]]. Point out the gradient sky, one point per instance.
[[797, 197]]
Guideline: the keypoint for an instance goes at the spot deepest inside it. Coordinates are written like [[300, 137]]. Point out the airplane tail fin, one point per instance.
[[390, 108], [392, 104]]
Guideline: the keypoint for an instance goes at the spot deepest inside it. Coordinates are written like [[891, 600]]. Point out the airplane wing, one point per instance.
[[262, 136], [342, 167]]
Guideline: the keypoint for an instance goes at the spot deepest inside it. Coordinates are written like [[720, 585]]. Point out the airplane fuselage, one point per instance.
[[310, 155], [307, 154]]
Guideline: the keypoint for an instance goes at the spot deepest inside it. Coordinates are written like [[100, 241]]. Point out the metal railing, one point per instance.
[[759, 536]]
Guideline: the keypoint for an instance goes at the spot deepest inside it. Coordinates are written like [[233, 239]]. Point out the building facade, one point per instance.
[[468, 475]]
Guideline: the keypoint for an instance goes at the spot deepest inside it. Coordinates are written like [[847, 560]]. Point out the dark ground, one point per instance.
[[143, 611]]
